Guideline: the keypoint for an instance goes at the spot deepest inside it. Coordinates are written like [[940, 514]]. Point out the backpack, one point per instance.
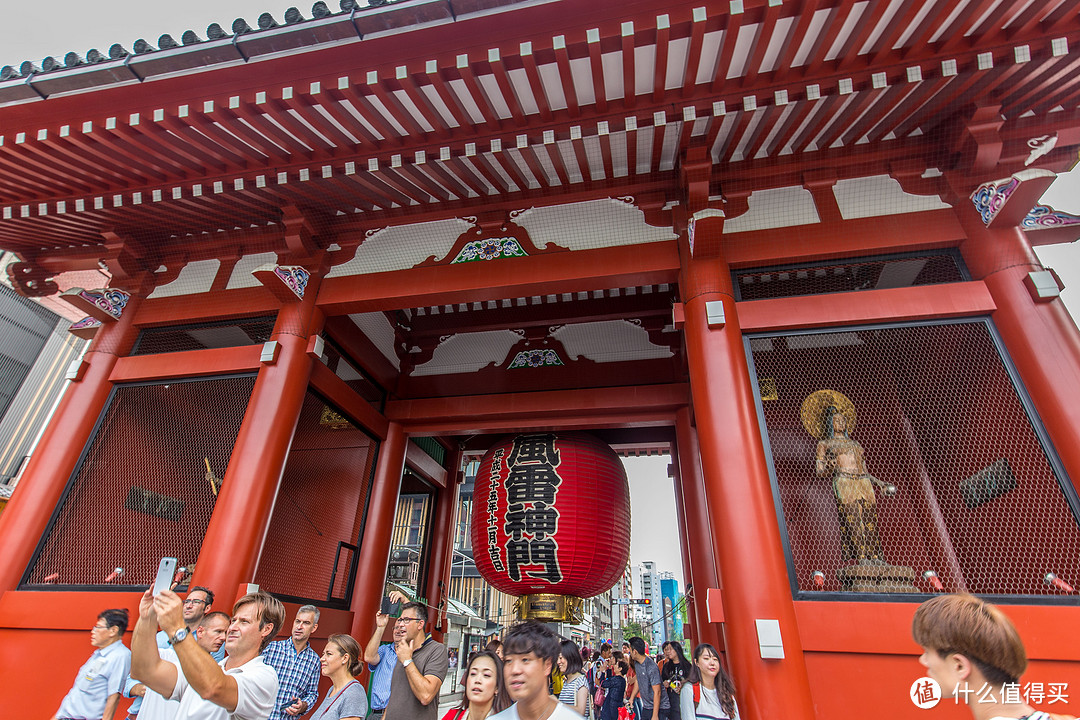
[[697, 698]]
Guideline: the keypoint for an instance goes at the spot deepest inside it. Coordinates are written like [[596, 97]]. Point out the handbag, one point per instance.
[[598, 697]]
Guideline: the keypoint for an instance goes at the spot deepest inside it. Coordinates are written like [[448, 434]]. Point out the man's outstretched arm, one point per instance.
[[146, 664], [203, 673]]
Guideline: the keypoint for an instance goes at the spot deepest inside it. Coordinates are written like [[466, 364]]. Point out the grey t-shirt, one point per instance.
[[648, 676], [350, 702], [431, 659]]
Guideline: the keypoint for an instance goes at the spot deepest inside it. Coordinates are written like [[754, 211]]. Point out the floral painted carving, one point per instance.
[[535, 359], [103, 303], [1044, 216], [493, 236], [990, 197], [489, 249], [295, 278], [85, 328]]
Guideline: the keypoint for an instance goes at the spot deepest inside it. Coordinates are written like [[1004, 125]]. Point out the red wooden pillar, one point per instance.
[[697, 544], [691, 628], [442, 545], [739, 495], [1041, 337], [235, 534], [378, 530], [27, 515]]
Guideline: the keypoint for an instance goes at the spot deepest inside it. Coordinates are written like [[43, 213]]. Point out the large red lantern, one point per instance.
[[551, 517]]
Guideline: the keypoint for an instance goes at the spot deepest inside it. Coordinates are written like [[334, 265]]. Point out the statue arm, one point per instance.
[[823, 465], [885, 487]]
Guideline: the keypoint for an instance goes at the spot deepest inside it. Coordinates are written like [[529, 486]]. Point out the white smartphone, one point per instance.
[[165, 571]]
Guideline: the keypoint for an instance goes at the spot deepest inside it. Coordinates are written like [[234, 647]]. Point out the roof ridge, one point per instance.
[[118, 52]]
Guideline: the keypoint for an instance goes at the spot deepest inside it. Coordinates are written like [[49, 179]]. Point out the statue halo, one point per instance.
[[813, 409]]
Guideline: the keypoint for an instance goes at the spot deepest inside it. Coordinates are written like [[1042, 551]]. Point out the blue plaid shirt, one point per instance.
[[298, 675], [380, 676]]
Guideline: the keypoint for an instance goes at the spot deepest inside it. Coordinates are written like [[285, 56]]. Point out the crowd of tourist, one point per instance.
[[187, 662]]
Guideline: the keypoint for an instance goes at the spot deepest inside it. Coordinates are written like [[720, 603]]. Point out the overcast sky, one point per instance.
[[34, 30]]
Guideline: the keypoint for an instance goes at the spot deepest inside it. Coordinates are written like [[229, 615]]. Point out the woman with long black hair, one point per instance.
[[672, 676], [485, 689], [708, 693]]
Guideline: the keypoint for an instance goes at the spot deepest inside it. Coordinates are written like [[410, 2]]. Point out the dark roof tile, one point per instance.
[[293, 16]]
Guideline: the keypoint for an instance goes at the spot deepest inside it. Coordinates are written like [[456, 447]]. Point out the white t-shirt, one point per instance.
[[562, 712], [708, 705], [256, 690], [157, 707]]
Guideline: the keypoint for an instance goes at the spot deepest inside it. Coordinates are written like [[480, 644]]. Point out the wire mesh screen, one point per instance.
[[199, 336], [320, 504], [142, 490], [849, 275], [905, 462]]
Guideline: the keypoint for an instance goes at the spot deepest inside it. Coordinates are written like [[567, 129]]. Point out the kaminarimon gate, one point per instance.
[[348, 245]]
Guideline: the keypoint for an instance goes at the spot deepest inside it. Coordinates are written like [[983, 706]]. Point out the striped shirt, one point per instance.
[[298, 675], [568, 694], [381, 673]]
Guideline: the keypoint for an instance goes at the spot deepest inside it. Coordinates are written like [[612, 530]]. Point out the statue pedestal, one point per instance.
[[877, 578]]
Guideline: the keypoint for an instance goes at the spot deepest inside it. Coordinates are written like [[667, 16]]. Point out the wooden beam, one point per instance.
[[425, 465], [344, 397], [864, 236], [554, 273], [193, 363], [924, 302], [360, 350], [244, 302], [635, 406]]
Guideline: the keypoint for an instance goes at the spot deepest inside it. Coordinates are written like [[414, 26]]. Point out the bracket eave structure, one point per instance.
[[1046, 226], [102, 304]]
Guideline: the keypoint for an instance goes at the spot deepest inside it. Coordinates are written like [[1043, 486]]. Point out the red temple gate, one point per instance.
[[464, 220]]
